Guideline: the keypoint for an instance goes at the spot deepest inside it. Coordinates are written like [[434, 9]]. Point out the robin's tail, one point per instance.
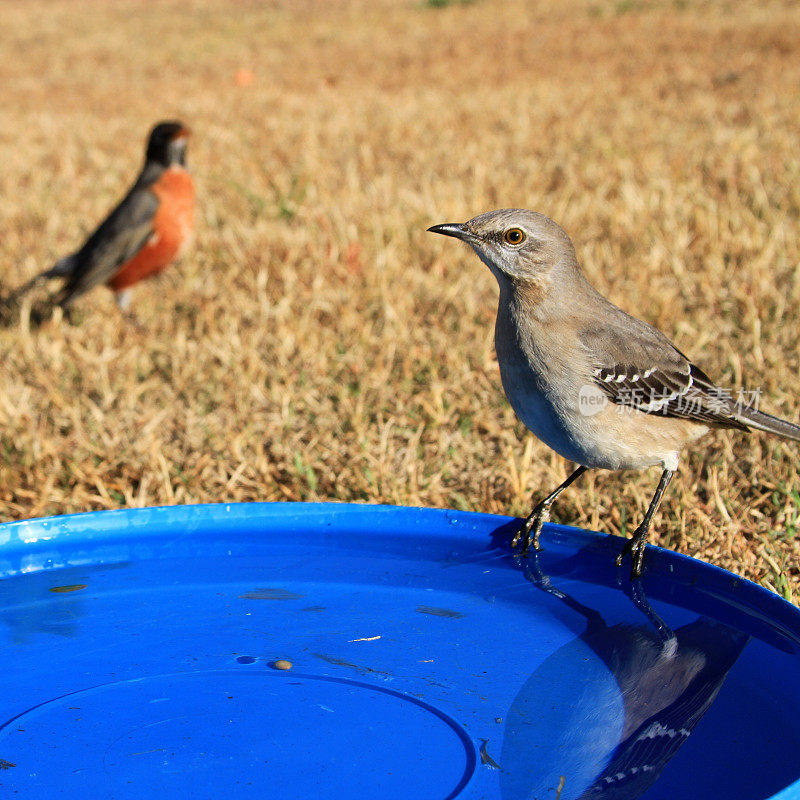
[[760, 421], [61, 269]]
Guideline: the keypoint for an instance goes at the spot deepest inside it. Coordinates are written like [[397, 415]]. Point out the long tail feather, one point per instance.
[[61, 269], [21, 291], [760, 421]]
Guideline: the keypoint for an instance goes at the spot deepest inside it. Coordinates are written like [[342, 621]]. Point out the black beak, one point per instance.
[[457, 229]]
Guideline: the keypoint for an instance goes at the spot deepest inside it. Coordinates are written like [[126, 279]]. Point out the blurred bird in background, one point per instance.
[[147, 231]]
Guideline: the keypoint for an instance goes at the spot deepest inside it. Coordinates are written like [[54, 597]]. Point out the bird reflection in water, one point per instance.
[[621, 700]]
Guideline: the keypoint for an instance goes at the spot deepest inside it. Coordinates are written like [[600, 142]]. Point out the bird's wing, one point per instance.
[[637, 366], [119, 237]]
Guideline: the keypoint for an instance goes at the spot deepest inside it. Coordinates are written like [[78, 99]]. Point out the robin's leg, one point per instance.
[[635, 545], [123, 298], [528, 534]]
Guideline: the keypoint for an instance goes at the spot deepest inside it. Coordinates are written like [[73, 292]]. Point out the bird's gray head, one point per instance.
[[517, 245], [167, 143]]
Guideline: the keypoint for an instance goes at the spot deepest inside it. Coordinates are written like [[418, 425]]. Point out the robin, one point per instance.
[[142, 235]]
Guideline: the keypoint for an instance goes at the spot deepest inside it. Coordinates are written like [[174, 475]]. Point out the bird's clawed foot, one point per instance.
[[635, 548], [529, 532], [133, 321]]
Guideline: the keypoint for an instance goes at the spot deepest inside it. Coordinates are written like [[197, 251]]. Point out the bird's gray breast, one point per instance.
[[529, 382]]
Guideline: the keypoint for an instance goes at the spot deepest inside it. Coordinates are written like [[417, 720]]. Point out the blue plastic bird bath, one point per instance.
[[138, 656]]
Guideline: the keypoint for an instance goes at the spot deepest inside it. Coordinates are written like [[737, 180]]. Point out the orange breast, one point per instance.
[[172, 227]]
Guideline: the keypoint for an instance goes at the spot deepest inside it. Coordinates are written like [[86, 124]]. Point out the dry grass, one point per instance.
[[316, 343]]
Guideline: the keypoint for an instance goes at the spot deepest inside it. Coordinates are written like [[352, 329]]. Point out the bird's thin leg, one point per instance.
[[528, 534], [635, 545], [635, 591], [123, 298]]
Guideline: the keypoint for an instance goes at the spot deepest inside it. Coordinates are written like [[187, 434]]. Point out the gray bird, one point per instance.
[[600, 387]]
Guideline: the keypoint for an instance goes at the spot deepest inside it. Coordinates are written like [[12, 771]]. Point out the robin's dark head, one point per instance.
[[167, 143]]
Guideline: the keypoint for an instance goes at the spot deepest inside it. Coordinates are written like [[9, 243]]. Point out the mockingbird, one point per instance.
[[600, 387]]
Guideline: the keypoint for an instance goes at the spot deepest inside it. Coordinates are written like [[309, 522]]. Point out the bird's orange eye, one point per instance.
[[514, 236]]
